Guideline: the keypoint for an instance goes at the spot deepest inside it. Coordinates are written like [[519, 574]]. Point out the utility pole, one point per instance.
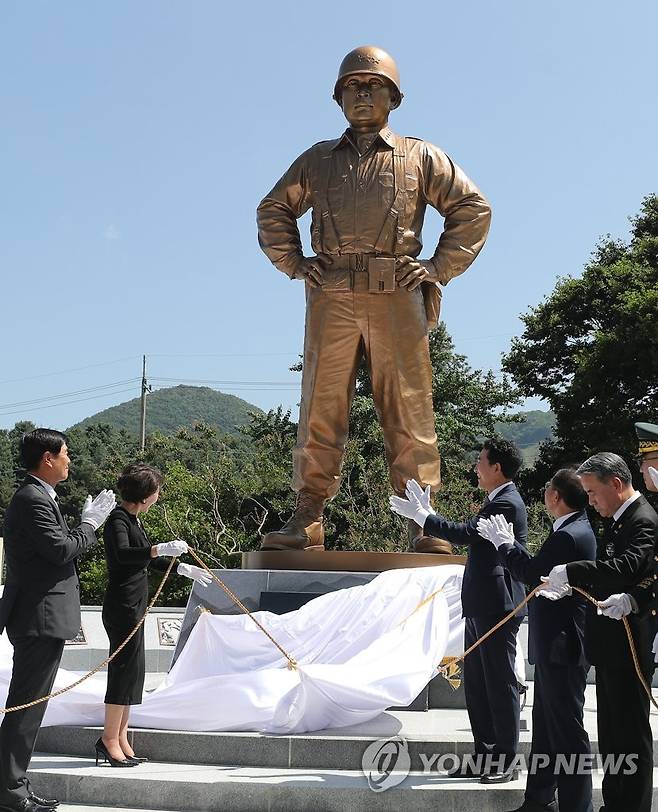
[[145, 389]]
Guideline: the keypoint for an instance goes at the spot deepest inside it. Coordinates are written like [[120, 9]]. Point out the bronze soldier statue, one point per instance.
[[367, 293]]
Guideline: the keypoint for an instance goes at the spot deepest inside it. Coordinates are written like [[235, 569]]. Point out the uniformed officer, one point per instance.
[[643, 597], [625, 559], [367, 293]]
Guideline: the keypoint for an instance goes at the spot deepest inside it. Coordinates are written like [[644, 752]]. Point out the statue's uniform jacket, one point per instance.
[[364, 206]]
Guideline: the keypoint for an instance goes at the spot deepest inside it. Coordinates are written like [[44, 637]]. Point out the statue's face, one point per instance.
[[366, 101]]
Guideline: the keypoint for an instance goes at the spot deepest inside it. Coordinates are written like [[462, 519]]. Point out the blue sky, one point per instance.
[[137, 139]]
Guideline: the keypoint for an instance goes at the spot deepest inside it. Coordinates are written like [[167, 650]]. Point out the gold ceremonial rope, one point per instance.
[[105, 661], [292, 663], [449, 669]]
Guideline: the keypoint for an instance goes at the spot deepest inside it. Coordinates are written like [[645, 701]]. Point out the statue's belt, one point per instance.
[[370, 273]]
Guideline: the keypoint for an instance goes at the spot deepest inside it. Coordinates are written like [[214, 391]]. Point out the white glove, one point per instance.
[[171, 548], [417, 504], [195, 573], [95, 511], [616, 606], [413, 489], [653, 473], [557, 584], [497, 530], [654, 648]]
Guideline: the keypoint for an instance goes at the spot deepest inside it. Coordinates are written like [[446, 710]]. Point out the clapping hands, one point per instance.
[[95, 511], [497, 530], [416, 505]]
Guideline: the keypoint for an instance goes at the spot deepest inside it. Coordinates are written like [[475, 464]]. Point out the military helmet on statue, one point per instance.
[[368, 59]]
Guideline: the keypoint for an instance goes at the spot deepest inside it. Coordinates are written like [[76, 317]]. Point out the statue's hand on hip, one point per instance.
[[410, 272], [311, 269]]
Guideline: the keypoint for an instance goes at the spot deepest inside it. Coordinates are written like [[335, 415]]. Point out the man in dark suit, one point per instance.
[[556, 646], [40, 605], [624, 558], [489, 592]]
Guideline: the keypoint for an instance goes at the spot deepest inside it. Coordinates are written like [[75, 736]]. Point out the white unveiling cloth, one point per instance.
[[359, 650]]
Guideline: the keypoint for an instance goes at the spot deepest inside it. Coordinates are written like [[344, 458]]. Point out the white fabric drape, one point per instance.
[[359, 650]]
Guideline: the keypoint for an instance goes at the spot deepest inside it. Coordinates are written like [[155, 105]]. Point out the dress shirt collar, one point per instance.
[[49, 488], [385, 136], [557, 524], [617, 514], [494, 493]]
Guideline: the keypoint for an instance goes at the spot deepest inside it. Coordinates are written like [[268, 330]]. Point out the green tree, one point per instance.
[[591, 349], [10, 466]]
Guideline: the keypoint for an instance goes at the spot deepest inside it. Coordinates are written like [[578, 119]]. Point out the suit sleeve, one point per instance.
[[623, 571], [161, 563], [467, 532], [644, 593], [50, 540], [557, 549], [117, 539]]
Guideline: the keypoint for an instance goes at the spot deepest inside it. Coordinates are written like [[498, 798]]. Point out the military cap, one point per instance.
[[647, 434]]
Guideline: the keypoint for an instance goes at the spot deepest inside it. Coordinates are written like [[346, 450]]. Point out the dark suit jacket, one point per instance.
[[556, 629], [487, 588], [624, 558], [128, 556], [41, 597]]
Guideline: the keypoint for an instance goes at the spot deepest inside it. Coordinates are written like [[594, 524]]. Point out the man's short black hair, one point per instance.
[[505, 453], [568, 485], [35, 443], [138, 481]]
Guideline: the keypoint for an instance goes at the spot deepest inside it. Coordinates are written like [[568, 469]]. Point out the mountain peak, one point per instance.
[[172, 408]]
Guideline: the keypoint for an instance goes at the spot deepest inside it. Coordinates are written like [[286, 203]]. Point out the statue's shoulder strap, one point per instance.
[[392, 230]]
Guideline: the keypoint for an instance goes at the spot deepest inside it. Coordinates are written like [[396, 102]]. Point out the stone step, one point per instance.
[[332, 750], [94, 808], [201, 788]]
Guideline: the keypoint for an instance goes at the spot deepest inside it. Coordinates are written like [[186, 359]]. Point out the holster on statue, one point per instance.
[[432, 298]]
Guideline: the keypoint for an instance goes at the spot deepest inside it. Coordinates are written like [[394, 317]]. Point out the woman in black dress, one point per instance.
[[129, 556]]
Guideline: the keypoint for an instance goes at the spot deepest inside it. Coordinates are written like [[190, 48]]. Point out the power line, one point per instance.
[[68, 402], [37, 401], [221, 354], [65, 371], [227, 383]]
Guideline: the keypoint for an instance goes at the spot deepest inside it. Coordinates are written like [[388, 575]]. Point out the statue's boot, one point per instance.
[[420, 543], [303, 530]]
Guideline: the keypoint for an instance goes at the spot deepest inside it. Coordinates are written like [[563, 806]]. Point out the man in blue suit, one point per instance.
[[489, 592], [556, 632]]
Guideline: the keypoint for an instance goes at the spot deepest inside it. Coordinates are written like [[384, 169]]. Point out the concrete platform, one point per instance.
[[196, 788], [433, 732], [253, 772]]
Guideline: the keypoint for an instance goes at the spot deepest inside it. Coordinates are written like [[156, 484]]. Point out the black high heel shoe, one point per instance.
[[101, 753], [137, 759]]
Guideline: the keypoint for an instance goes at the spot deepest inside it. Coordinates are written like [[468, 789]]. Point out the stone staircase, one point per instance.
[[251, 772]]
